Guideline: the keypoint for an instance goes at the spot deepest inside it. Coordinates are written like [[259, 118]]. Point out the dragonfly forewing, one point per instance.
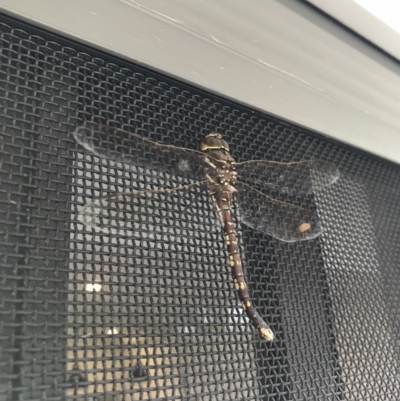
[[292, 178], [133, 150]]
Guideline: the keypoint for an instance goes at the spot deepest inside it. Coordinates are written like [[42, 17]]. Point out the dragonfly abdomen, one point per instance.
[[223, 200]]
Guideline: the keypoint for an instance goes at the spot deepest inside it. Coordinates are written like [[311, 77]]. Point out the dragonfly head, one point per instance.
[[214, 142]]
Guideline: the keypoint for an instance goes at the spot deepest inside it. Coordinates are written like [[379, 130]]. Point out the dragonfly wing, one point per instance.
[[284, 221], [134, 213], [296, 177], [131, 149]]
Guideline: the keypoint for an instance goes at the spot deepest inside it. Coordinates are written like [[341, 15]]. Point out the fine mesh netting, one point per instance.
[[144, 307]]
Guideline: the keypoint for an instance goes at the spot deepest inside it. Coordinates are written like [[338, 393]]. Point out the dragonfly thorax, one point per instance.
[[220, 169], [221, 174]]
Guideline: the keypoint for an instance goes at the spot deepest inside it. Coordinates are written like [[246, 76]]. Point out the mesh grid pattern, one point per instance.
[[153, 314]]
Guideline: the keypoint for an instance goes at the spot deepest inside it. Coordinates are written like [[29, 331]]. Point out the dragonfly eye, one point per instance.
[[214, 142], [214, 135]]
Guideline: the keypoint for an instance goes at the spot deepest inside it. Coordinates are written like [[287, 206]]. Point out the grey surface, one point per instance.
[[363, 22], [281, 57]]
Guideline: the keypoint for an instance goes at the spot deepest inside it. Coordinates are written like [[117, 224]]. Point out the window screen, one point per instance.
[[149, 310]]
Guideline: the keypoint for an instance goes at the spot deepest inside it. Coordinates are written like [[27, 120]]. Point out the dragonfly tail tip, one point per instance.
[[267, 334]]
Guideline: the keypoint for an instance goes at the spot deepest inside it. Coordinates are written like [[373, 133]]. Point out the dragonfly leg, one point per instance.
[[219, 210]]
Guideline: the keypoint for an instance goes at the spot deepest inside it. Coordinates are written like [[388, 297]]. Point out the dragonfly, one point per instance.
[[229, 183]]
